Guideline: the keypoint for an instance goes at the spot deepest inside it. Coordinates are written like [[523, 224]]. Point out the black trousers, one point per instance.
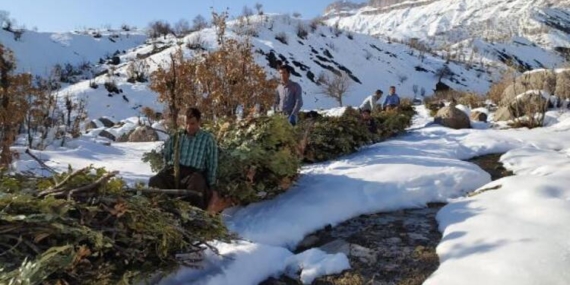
[[191, 179]]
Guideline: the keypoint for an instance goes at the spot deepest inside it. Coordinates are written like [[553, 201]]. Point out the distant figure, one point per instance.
[[369, 121], [392, 101], [371, 102], [289, 97]]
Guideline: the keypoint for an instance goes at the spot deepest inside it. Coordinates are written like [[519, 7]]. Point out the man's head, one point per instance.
[[284, 72], [392, 90], [365, 114], [378, 93], [193, 117]]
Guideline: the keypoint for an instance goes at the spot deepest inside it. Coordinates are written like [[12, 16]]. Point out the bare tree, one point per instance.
[[246, 13], [443, 72], [259, 8], [199, 23], [334, 85], [182, 28], [159, 28]]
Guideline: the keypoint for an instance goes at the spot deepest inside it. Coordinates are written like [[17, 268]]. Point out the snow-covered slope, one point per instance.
[[543, 24], [38, 52], [371, 63]]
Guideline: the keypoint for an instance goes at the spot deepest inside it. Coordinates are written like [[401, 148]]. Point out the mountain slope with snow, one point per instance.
[[38, 53], [442, 23], [370, 62]]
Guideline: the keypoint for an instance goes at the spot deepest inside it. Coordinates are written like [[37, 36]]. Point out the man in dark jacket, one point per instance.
[[289, 98]]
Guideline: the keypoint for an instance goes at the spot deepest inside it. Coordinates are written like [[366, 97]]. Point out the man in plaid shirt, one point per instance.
[[198, 162]]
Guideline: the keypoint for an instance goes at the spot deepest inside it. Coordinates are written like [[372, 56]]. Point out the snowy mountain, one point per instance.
[[496, 30], [38, 52], [310, 49]]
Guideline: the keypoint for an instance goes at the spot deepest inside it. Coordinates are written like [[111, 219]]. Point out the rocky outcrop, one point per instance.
[[452, 117], [143, 134], [478, 116]]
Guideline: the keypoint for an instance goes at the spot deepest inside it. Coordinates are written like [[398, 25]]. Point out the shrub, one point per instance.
[[196, 43], [138, 71], [259, 158], [111, 86], [88, 229], [302, 31], [282, 37], [327, 138], [315, 23]]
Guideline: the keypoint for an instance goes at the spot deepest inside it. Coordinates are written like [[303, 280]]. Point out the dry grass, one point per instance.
[[345, 278]]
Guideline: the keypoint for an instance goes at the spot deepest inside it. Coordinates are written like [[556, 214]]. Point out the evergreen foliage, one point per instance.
[[83, 227]]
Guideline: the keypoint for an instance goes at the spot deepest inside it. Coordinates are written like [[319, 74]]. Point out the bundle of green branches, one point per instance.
[[259, 158], [82, 227], [394, 122], [327, 138]]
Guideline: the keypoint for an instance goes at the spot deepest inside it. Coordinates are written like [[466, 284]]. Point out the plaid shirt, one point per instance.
[[199, 151]]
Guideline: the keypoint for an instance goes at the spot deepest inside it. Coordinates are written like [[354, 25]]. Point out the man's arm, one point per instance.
[[298, 100], [167, 151], [212, 161], [365, 103]]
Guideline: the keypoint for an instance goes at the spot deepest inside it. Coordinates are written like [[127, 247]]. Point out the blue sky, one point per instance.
[[67, 15]]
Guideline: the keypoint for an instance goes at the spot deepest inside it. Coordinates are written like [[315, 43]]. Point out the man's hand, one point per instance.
[[217, 203]]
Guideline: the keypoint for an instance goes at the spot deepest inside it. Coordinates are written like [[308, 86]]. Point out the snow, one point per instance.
[[38, 52], [314, 263], [376, 63], [517, 234], [487, 29]]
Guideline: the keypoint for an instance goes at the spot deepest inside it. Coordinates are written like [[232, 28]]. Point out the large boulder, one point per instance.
[[528, 103], [107, 123], [107, 134], [502, 114], [478, 116], [452, 117], [143, 134]]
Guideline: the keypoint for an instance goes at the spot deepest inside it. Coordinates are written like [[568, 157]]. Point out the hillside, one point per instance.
[[370, 62], [530, 33], [38, 52]]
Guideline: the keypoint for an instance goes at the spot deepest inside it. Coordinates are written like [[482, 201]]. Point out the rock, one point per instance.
[[529, 102], [452, 117], [478, 116], [91, 125], [364, 254], [107, 134], [502, 114], [106, 122], [308, 242], [336, 246], [143, 134]]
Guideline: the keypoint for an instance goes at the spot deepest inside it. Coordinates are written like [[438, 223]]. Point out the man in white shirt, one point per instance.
[[371, 102]]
